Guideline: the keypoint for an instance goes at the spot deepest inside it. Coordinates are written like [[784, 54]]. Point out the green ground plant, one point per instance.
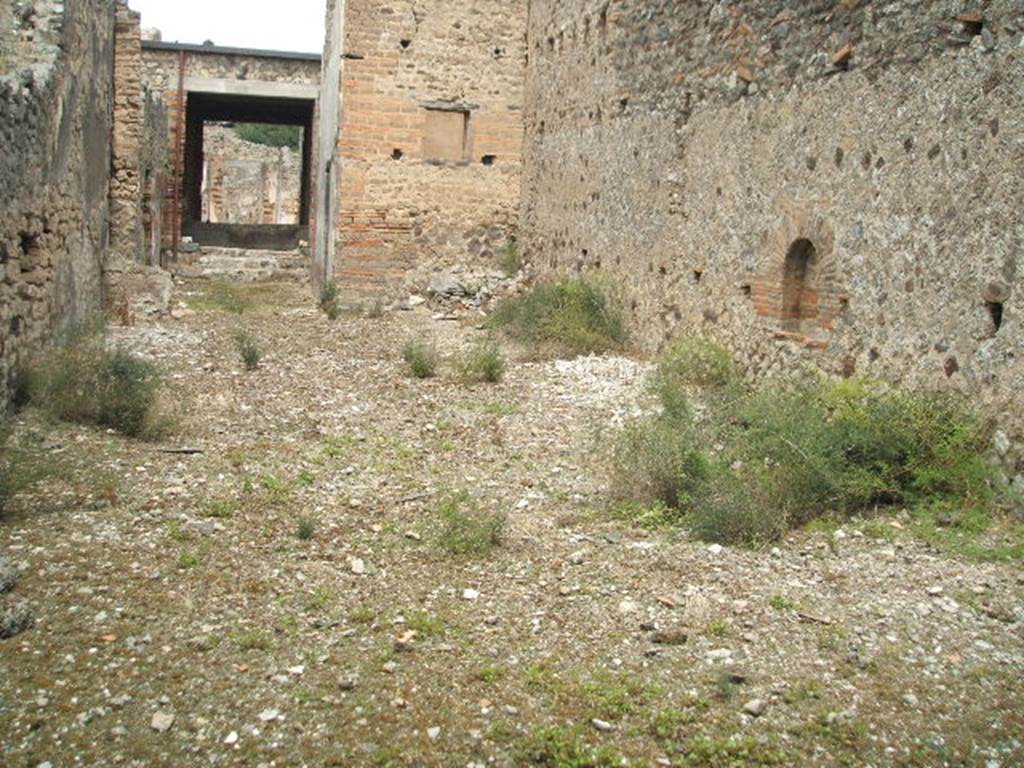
[[84, 380], [484, 362], [20, 468], [330, 303], [463, 528], [422, 358], [510, 260], [758, 462], [561, 747], [578, 315], [249, 350]]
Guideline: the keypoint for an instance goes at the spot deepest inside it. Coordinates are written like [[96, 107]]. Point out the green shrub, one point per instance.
[[483, 362], [510, 261], [84, 381], [249, 349], [422, 358], [329, 302], [760, 462], [690, 362], [126, 393], [659, 461], [464, 529], [576, 314]]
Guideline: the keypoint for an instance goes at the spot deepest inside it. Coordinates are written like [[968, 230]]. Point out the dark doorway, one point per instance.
[[204, 108]]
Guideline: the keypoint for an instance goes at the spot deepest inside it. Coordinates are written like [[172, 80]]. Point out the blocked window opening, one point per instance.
[[397, 154], [445, 134], [488, 159], [799, 298], [17, 326], [995, 312]]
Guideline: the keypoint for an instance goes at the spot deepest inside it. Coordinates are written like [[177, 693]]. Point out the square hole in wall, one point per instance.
[[444, 134]]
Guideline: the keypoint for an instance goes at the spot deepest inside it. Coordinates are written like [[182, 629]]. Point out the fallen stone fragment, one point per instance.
[[670, 637], [162, 721], [15, 617], [8, 575], [269, 715], [434, 733], [755, 707], [470, 594], [231, 738], [358, 566], [602, 725]]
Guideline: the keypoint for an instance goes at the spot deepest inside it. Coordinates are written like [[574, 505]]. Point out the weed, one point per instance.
[[493, 407], [329, 301], [319, 600], [464, 529], [253, 640], [375, 311], [425, 625], [717, 628], [558, 747], [781, 603], [422, 358], [801, 691], [647, 516], [306, 528], [20, 469], [82, 380], [362, 615], [221, 508], [188, 559], [578, 315], [175, 531], [249, 349], [490, 675], [732, 752], [483, 363], [510, 260], [338, 447]]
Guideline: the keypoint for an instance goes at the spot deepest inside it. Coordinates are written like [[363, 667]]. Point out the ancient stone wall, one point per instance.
[[56, 101], [431, 134], [126, 232], [836, 184], [248, 183]]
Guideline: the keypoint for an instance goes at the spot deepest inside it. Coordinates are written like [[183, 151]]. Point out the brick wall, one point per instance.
[[431, 134], [686, 148], [56, 101]]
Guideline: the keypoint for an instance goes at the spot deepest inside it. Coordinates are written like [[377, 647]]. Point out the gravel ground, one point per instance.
[[182, 616]]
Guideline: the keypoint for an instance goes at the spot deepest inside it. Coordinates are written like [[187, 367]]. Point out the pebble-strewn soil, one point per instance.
[[181, 620]]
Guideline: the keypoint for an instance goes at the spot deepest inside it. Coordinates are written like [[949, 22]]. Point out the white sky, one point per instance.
[[297, 25]]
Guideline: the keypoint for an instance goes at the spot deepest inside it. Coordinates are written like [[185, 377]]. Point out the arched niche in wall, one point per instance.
[[798, 290]]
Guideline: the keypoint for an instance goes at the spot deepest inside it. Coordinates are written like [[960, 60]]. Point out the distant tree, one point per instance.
[[270, 135]]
